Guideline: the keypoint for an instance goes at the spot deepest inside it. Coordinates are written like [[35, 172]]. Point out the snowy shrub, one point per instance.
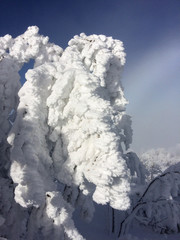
[[159, 204], [68, 137], [161, 198]]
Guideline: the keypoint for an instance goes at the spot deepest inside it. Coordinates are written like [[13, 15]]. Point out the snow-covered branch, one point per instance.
[[158, 206]]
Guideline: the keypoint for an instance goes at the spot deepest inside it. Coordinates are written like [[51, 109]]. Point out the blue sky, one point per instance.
[[150, 30]]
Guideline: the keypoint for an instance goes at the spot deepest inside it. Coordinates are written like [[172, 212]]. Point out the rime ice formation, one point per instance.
[[9, 85], [52, 219], [70, 129], [87, 119]]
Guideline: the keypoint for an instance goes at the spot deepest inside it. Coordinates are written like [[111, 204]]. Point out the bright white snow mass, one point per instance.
[[75, 104], [70, 128]]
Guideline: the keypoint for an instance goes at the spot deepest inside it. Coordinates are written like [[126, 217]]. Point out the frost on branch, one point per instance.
[[161, 205], [70, 130], [158, 206]]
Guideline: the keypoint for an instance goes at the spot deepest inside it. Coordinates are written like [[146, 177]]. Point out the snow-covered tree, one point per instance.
[[68, 137], [156, 161], [158, 205]]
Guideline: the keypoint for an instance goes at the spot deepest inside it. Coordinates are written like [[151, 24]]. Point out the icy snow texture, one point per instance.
[[70, 124], [16, 222], [71, 129], [9, 85], [87, 118]]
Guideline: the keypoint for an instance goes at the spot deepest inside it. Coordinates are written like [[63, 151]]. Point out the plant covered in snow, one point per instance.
[[158, 205], [66, 143]]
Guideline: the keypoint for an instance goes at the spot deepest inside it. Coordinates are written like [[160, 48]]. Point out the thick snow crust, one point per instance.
[[71, 122]]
